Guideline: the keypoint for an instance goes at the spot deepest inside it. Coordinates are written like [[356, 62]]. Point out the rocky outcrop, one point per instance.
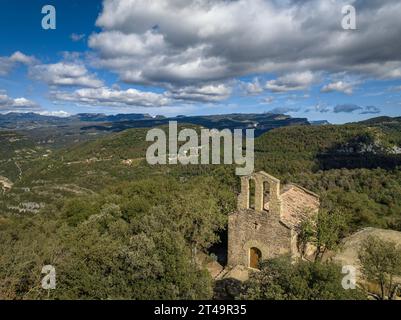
[[5, 183], [350, 247]]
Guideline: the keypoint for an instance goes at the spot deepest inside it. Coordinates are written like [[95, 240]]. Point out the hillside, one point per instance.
[[17, 151], [103, 195], [355, 167], [352, 167]]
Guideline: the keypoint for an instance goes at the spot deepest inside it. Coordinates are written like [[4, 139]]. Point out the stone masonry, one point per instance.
[[271, 226]]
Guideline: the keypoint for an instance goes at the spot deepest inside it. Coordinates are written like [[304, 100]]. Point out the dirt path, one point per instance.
[[19, 169]]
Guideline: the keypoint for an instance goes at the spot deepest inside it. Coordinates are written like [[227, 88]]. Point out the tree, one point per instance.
[[381, 263], [279, 279], [330, 230], [325, 232], [307, 235], [198, 218]]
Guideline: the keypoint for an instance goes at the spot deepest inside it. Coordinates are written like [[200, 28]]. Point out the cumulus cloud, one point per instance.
[[292, 82], [8, 104], [320, 107], [114, 98], [206, 93], [192, 41], [346, 108], [65, 74], [7, 63], [339, 86], [59, 113], [252, 88], [19, 57]]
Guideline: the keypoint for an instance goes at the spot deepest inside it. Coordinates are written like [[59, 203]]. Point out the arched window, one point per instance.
[[266, 196], [255, 257], [252, 187]]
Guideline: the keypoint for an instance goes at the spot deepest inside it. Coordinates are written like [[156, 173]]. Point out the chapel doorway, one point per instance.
[[255, 257]]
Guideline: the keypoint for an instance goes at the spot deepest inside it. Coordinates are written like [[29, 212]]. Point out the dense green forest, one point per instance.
[[116, 227], [352, 167]]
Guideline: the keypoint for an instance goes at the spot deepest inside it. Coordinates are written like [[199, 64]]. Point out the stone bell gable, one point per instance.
[[269, 226], [260, 179]]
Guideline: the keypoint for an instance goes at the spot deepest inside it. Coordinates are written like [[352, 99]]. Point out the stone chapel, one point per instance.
[[267, 223]]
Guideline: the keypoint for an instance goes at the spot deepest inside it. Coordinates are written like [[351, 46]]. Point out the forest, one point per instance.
[[117, 228]]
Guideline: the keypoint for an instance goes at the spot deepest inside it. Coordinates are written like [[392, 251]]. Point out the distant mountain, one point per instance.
[[319, 123], [381, 120], [114, 123], [58, 132], [24, 117], [30, 120], [100, 117], [15, 118], [260, 122]]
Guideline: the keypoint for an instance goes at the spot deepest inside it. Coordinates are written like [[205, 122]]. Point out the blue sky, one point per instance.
[[196, 57]]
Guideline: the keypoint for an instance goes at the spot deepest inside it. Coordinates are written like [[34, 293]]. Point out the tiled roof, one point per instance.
[[297, 205]]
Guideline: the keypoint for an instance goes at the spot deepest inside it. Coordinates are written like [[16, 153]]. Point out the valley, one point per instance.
[[138, 227]]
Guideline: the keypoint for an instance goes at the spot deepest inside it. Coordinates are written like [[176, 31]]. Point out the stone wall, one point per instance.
[[274, 190], [271, 230], [260, 229], [243, 198]]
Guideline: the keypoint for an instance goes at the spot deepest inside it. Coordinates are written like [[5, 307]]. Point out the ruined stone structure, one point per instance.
[[269, 227]]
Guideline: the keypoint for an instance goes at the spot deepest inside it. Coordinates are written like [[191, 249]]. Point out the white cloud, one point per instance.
[[320, 107], [7, 63], [8, 104], [252, 88], [113, 98], [206, 93], [194, 49], [292, 82], [195, 41], [339, 86], [60, 113], [19, 57], [65, 74]]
